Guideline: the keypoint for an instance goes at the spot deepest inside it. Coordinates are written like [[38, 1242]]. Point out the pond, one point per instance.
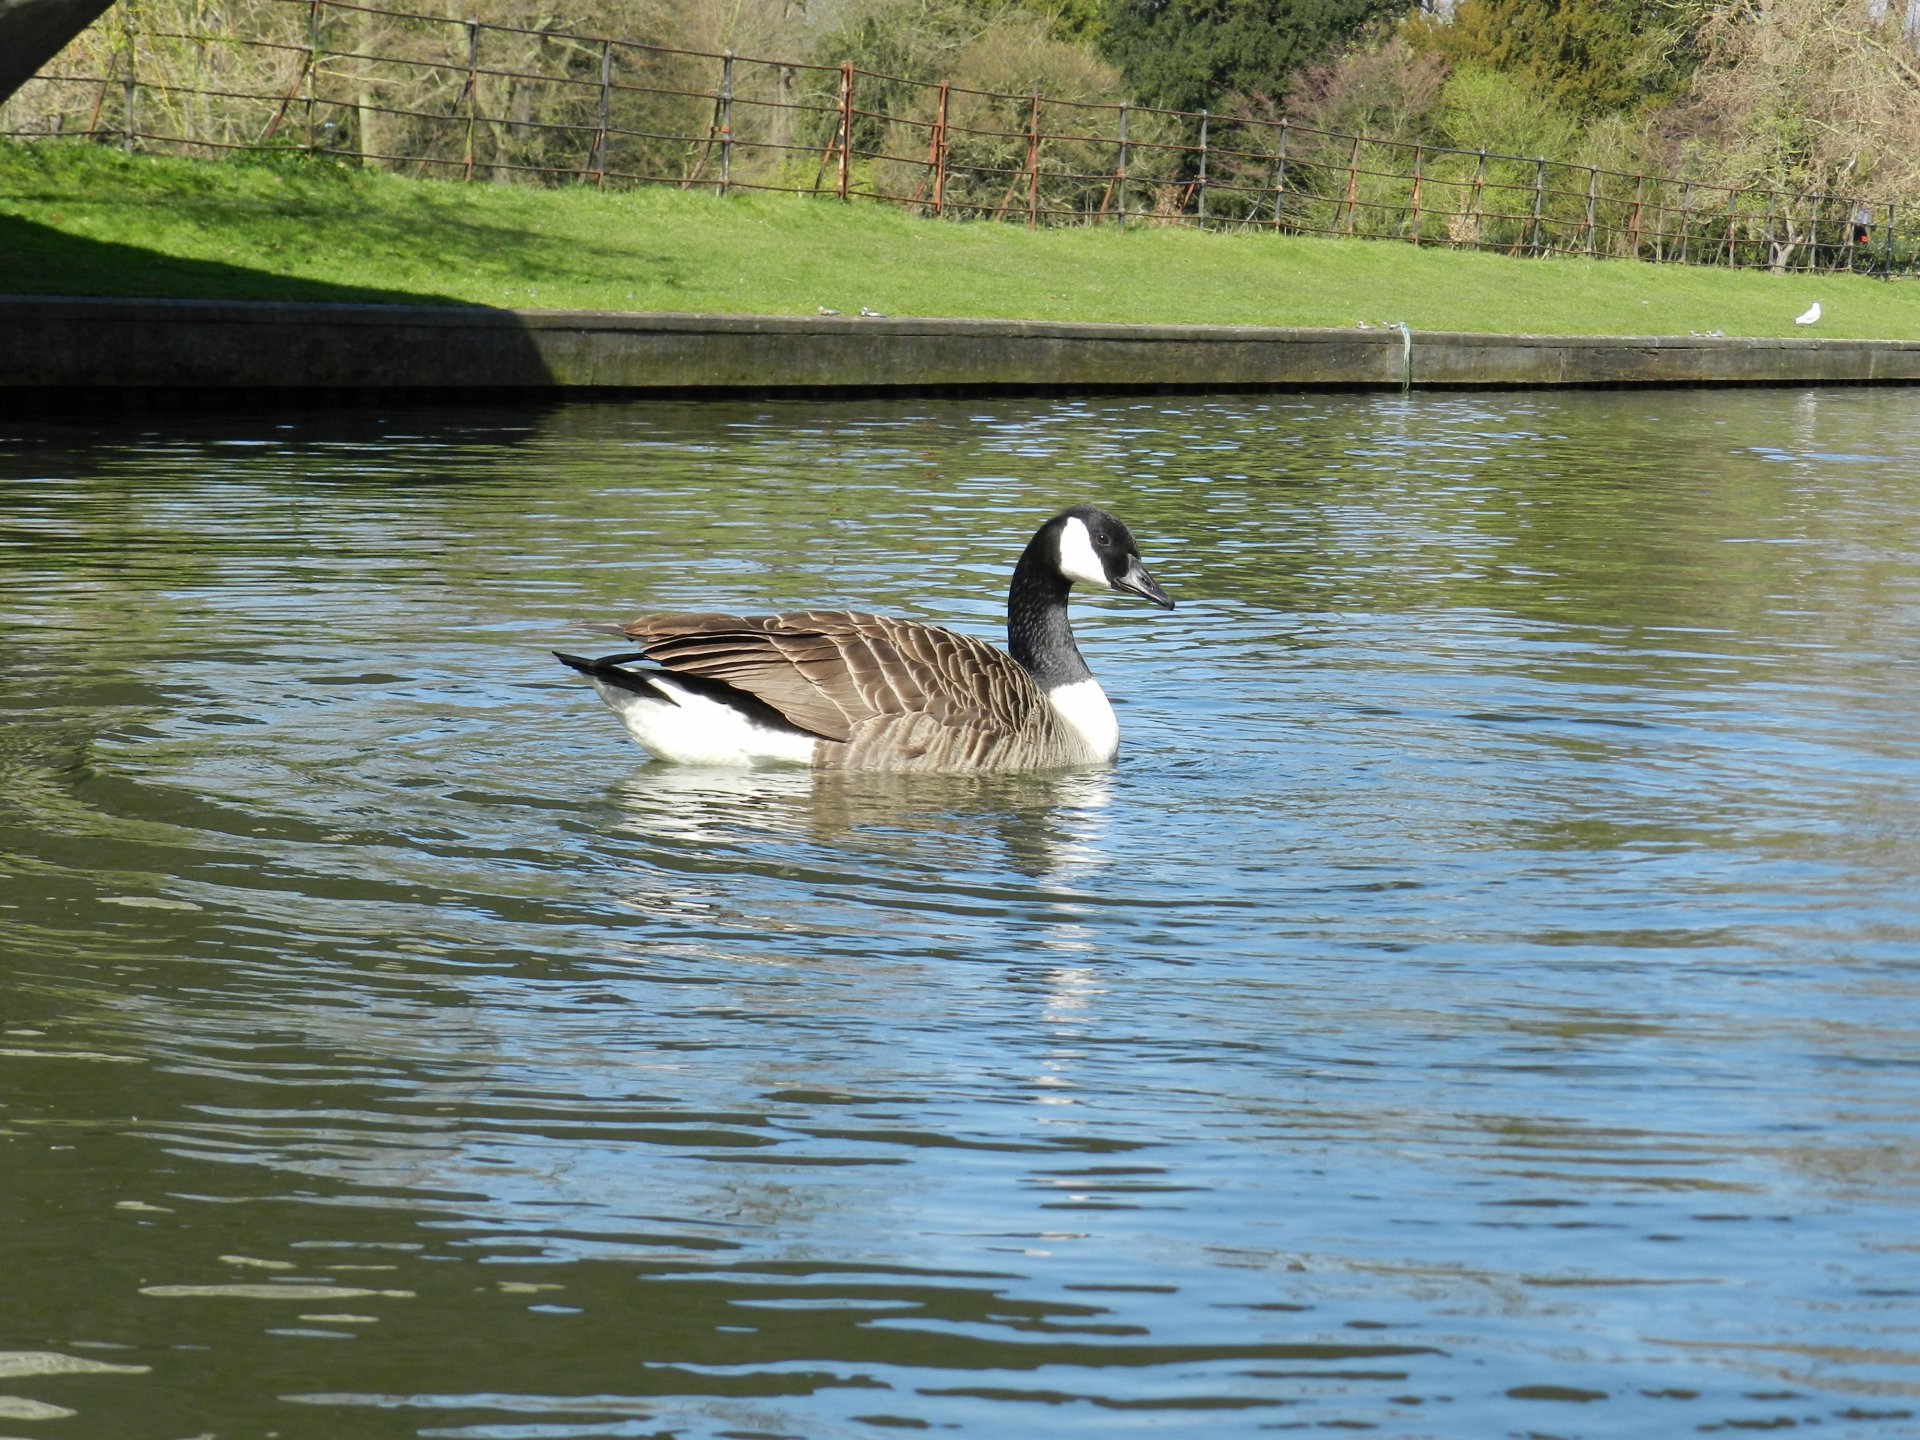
[[1484, 998]]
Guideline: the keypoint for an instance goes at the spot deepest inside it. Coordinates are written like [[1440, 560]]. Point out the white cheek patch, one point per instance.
[[1077, 559]]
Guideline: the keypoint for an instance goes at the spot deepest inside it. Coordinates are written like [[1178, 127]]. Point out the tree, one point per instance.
[[1588, 56], [1385, 89], [1192, 54], [1817, 96]]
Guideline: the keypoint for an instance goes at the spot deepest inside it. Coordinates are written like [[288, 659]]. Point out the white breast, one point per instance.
[[1084, 707]]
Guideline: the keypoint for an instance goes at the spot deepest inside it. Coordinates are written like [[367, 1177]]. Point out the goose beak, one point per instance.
[[1138, 582]]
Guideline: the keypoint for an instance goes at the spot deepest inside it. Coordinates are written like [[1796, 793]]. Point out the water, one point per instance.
[[1482, 1000]]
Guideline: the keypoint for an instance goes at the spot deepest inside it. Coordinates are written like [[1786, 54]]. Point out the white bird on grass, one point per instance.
[[1812, 314]]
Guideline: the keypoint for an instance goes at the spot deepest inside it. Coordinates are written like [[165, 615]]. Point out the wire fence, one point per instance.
[[465, 100]]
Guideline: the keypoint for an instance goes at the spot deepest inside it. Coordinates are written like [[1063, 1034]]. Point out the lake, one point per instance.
[[1484, 998]]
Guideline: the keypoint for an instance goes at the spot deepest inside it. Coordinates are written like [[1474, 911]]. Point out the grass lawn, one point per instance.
[[78, 219]]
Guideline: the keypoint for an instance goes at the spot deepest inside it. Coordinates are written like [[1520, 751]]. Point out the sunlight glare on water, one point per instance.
[[1481, 1000]]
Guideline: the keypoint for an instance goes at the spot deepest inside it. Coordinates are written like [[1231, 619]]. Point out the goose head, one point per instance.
[[1091, 547]]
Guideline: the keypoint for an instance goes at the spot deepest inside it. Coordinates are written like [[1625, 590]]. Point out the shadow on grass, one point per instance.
[[38, 259], [137, 329]]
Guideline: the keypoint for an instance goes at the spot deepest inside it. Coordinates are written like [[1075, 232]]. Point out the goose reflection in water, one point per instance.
[[823, 849]]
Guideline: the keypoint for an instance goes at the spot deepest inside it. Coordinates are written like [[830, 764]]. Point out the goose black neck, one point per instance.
[[1038, 635]]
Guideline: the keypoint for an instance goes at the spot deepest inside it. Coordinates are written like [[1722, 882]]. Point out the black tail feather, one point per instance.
[[595, 667], [609, 668]]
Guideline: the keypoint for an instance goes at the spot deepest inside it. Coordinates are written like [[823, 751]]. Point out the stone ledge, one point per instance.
[[172, 346]]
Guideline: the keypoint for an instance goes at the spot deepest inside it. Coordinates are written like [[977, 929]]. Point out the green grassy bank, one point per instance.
[[81, 220]]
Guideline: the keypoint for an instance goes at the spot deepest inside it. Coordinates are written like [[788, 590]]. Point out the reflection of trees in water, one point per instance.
[[1717, 519], [1620, 509]]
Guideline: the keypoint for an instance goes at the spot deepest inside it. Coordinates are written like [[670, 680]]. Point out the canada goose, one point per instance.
[[839, 690]]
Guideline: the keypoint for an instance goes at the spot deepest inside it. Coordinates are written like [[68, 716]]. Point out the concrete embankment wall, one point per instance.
[[100, 348]]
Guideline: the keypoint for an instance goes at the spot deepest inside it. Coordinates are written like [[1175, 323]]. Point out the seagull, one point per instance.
[[825, 311], [871, 314], [1812, 314]]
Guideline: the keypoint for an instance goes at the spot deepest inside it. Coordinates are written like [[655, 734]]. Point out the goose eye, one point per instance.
[[1103, 540]]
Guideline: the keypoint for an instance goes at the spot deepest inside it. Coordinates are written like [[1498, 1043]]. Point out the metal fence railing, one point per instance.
[[461, 99]]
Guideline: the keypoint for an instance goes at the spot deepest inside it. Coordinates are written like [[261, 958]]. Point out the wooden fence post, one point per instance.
[[473, 93], [1033, 163], [313, 65], [1353, 183], [1633, 220], [1686, 218], [1593, 198], [1279, 172], [1120, 172], [126, 95], [1886, 245], [726, 121], [1479, 196], [1539, 196], [846, 125], [939, 146], [597, 157], [1200, 204], [1418, 151]]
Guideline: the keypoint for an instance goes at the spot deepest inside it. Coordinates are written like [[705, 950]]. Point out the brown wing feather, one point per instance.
[[845, 675]]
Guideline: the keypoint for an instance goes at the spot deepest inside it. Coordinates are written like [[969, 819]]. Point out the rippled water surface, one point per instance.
[[1481, 1001]]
